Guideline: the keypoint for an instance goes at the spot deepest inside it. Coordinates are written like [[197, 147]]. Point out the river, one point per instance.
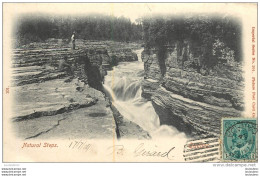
[[123, 83]]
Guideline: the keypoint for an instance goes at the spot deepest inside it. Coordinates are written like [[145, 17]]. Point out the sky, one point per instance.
[[128, 10]]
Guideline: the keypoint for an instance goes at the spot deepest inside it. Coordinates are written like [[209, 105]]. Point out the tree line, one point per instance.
[[212, 38], [37, 28]]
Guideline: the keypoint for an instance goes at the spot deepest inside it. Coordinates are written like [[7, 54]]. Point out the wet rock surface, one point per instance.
[[127, 129]]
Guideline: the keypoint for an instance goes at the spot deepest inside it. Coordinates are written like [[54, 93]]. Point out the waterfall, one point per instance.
[[123, 84]]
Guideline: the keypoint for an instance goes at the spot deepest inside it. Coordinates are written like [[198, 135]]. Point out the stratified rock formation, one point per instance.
[[193, 72], [58, 91], [191, 100], [36, 62]]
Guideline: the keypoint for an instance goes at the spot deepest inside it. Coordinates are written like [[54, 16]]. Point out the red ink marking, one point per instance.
[[7, 90], [198, 145]]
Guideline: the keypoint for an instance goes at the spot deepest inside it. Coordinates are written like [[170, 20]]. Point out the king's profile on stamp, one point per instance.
[[239, 139]]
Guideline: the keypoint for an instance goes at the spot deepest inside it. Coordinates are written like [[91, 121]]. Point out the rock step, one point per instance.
[[69, 108], [200, 117]]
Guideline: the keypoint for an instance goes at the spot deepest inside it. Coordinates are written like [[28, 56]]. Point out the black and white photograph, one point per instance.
[[129, 82]]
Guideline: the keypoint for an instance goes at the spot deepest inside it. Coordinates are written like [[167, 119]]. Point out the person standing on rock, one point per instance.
[[73, 40]]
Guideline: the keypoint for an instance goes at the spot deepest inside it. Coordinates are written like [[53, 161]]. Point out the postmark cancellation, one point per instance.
[[239, 140]]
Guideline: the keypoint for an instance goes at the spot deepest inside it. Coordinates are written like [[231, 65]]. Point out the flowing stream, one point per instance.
[[123, 83]]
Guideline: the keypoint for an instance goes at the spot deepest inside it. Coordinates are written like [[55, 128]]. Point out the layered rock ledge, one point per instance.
[[190, 100], [58, 91]]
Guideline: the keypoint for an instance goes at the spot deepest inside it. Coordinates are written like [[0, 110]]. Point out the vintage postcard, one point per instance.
[[130, 82]]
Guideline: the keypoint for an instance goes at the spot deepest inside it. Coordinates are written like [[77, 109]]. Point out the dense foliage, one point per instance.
[[211, 39], [35, 28]]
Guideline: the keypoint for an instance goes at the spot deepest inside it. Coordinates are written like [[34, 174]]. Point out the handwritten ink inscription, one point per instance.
[[116, 149], [143, 151], [80, 145]]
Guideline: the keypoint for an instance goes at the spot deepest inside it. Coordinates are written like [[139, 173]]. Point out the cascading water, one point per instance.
[[123, 84]]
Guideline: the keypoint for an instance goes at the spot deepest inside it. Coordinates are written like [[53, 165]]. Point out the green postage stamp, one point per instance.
[[239, 139]]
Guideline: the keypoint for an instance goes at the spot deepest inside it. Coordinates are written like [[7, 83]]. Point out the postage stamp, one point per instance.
[[239, 139], [129, 82]]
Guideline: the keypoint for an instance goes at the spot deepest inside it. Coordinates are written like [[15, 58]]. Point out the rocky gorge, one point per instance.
[[190, 99], [58, 91]]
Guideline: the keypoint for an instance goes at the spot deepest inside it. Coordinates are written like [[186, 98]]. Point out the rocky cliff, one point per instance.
[[59, 90], [190, 98], [89, 62]]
